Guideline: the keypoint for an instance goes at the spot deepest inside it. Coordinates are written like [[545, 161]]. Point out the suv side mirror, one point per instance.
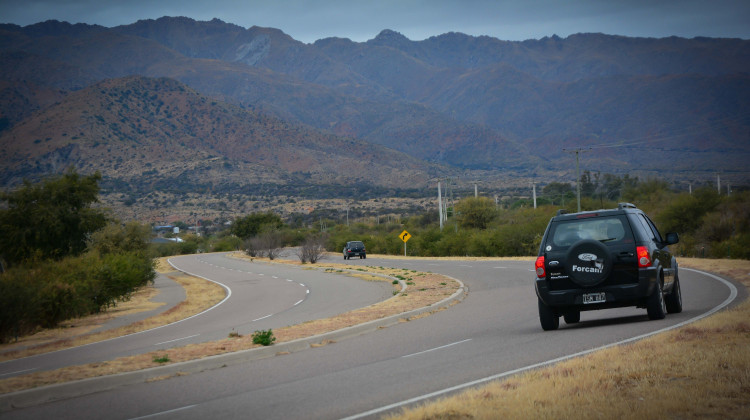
[[672, 238]]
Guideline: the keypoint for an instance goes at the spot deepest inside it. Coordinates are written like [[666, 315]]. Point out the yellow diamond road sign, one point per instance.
[[404, 236]]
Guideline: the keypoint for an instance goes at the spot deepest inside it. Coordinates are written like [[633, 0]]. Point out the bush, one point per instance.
[[53, 291], [264, 338], [311, 250]]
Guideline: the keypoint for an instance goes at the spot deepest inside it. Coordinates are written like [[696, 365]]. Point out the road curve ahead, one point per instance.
[[494, 330]]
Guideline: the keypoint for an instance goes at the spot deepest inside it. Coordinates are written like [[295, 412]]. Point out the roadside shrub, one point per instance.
[[263, 337], [53, 291], [311, 250]]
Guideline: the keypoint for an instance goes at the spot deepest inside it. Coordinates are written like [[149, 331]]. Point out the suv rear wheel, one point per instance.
[[547, 317], [674, 299], [656, 306]]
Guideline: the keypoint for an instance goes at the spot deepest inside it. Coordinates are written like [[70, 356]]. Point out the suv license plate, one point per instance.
[[594, 298]]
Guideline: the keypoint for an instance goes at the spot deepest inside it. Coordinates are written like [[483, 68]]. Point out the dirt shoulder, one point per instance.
[[422, 290], [701, 370]]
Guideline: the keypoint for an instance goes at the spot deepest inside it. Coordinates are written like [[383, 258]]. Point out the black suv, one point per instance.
[[605, 259], [355, 249]]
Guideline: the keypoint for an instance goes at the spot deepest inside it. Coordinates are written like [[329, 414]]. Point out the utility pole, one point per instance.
[[440, 207], [533, 190], [577, 151], [476, 194]]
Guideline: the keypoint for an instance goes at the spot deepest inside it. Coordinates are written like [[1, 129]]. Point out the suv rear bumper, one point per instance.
[[617, 296]]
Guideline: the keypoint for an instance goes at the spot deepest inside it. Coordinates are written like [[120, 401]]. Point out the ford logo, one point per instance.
[[587, 257]]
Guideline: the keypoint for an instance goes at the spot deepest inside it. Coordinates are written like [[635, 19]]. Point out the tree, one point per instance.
[[476, 212], [253, 224], [50, 219], [114, 238], [557, 191]]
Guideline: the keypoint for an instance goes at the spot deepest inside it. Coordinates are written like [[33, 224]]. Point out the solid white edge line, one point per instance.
[[437, 348], [727, 301], [176, 339]]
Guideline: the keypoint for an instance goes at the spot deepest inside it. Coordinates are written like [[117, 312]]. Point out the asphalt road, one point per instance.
[[493, 331], [260, 297]]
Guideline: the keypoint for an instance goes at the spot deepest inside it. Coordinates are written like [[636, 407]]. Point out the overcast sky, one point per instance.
[[357, 20]]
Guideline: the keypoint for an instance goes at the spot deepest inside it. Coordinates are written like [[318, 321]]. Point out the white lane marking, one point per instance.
[[187, 407], [438, 348], [176, 339], [298, 302], [464, 265], [499, 267], [261, 274], [274, 277], [263, 317], [289, 280], [18, 371], [727, 301], [302, 284], [307, 291]]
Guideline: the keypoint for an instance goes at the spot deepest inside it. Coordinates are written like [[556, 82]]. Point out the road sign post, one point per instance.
[[404, 237]]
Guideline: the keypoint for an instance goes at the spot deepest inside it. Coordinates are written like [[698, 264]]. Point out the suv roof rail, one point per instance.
[[621, 206], [562, 211]]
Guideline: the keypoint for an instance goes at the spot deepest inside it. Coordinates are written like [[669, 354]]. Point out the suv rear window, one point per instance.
[[605, 229]]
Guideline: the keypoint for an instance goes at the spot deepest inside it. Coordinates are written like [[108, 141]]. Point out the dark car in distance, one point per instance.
[[605, 259], [355, 249]]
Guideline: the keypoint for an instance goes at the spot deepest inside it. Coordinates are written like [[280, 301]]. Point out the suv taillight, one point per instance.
[[539, 267], [644, 259]]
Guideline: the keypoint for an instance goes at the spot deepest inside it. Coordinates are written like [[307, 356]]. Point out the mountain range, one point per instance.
[[189, 105]]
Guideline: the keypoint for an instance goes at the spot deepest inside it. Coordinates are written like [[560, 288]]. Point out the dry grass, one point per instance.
[[698, 371], [426, 289]]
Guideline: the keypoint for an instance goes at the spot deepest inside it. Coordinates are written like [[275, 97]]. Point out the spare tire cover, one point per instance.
[[588, 262]]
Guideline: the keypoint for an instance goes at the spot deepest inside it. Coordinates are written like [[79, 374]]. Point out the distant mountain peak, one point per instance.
[[389, 37]]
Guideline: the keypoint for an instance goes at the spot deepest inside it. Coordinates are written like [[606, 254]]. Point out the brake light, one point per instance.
[[644, 259], [587, 215], [539, 267]]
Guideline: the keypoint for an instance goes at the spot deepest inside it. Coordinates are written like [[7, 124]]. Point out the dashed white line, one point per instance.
[[263, 317], [187, 407], [438, 348], [176, 339], [298, 302]]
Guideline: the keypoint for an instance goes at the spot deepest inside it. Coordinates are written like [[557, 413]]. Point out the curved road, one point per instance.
[[494, 330], [260, 296]]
